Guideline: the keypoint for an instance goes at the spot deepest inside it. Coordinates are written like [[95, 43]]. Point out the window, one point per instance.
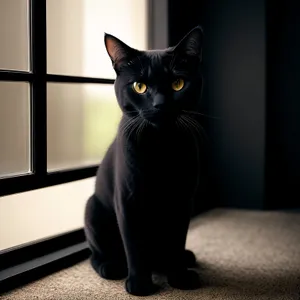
[[58, 112]]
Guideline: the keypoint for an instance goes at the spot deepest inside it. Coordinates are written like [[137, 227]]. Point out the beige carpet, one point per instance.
[[242, 255]]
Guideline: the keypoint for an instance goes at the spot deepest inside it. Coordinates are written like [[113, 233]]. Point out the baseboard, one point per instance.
[[33, 261]]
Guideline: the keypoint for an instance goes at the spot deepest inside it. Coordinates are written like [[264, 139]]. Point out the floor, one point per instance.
[[242, 255]]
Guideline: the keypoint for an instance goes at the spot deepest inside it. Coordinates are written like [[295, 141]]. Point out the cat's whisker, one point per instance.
[[128, 131], [188, 123], [144, 123], [148, 111], [193, 128], [196, 144], [194, 124], [132, 113], [182, 125], [200, 130], [136, 126], [130, 126], [138, 130], [127, 124], [200, 114], [190, 129]]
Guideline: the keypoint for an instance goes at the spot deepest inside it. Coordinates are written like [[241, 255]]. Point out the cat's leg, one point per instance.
[[189, 259], [159, 261], [108, 257], [178, 259], [136, 243]]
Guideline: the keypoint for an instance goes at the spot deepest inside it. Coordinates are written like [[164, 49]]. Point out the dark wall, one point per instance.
[[234, 90], [236, 61], [283, 103], [252, 82]]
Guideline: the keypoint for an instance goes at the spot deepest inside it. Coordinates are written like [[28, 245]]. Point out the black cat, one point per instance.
[[136, 221]]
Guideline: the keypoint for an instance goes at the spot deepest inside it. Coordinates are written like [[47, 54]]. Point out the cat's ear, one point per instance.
[[118, 51], [191, 44]]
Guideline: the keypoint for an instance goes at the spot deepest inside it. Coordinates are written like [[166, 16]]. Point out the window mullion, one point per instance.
[[38, 88]]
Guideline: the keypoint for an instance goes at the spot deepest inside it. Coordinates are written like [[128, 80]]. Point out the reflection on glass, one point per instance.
[[75, 41], [82, 121], [14, 128], [14, 35]]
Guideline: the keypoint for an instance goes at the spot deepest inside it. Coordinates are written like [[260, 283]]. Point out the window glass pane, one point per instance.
[[14, 128], [81, 123], [75, 33], [14, 35]]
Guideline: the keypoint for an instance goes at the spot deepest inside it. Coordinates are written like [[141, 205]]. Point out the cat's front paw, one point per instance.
[[140, 286], [113, 270], [186, 280], [189, 259]]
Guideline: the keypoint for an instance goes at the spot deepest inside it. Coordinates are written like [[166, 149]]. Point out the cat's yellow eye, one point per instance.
[[178, 84], [139, 87]]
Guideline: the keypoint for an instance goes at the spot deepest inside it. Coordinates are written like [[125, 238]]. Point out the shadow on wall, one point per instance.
[[251, 70]]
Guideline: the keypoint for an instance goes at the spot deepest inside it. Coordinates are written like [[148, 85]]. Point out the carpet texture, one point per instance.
[[242, 255]]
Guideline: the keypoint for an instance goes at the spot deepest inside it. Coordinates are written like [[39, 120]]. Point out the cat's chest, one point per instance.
[[168, 167], [168, 155]]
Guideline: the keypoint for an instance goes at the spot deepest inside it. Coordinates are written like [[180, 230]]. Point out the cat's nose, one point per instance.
[[159, 101]]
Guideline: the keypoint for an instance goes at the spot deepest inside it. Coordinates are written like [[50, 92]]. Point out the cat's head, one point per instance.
[[158, 85]]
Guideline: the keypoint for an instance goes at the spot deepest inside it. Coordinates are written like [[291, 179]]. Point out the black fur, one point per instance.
[[137, 220]]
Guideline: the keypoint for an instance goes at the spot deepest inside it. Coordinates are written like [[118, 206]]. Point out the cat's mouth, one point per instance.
[[158, 117]]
